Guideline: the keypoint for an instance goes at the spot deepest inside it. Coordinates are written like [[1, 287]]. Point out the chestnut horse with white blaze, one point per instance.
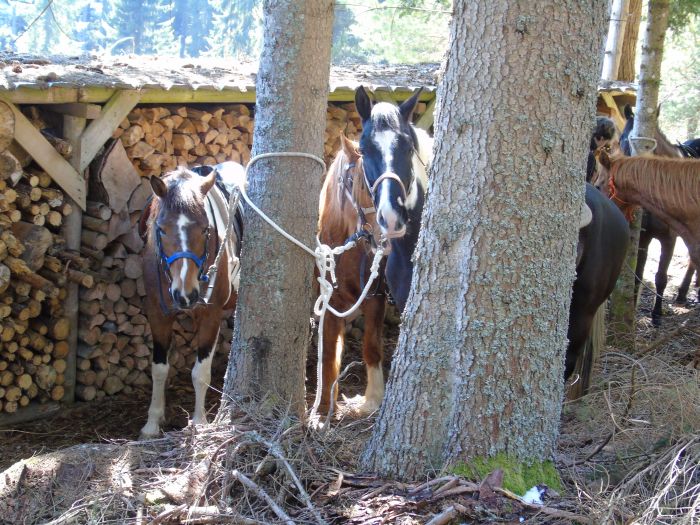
[[185, 225]]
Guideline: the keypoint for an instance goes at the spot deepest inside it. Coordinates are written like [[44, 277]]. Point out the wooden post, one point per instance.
[[616, 35], [72, 227]]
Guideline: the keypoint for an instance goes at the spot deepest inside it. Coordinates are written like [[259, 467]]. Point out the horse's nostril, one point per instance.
[[193, 296]]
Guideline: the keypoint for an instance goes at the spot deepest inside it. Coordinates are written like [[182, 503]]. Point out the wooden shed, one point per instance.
[[78, 140]]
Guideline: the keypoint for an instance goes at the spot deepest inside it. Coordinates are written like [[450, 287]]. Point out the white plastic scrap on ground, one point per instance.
[[534, 495]]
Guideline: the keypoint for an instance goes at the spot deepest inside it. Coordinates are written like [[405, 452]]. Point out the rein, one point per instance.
[[629, 207]]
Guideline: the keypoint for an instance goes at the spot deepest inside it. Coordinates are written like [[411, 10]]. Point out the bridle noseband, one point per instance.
[[166, 261]]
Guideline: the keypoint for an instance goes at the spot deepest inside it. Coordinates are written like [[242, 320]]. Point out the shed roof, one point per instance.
[[202, 74], [55, 79]]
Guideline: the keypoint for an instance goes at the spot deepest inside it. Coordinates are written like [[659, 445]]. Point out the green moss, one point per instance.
[[518, 476]]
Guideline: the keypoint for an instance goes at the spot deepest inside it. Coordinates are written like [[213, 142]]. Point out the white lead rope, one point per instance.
[[325, 262]]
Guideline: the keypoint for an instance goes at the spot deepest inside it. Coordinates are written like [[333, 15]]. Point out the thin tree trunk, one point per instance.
[[623, 321], [479, 364], [628, 61], [272, 330], [616, 35]]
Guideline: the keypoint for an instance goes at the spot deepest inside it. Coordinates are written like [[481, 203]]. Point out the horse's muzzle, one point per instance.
[[185, 301]]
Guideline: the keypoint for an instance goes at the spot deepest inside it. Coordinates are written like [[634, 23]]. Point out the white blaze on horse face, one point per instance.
[[201, 378], [385, 140], [156, 412], [179, 281]]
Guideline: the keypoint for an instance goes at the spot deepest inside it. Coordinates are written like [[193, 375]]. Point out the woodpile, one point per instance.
[[160, 139], [34, 269]]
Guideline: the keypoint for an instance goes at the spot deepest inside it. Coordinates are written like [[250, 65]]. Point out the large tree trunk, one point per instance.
[[272, 332], [623, 306], [628, 60], [616, 35], [479, 365]]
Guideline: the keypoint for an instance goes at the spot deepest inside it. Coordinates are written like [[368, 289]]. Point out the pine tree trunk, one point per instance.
[[479, 364], [616, 35], [272, 329], [623, 327], [628, 68]]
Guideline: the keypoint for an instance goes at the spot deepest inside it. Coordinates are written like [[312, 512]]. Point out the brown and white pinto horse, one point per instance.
[[344, 198], [185, 225], [668, 188]]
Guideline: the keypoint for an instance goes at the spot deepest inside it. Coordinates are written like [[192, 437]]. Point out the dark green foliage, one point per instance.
[[681, 13]]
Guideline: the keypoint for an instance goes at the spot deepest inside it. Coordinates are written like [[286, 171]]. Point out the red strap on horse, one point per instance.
[[628, 208]]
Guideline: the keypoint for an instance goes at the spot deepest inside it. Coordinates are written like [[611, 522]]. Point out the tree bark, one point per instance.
[[272, 329], [616, 35], [479, 365], [628, 60]]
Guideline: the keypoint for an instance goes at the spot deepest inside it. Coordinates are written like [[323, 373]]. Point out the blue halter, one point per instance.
[[199, 261]]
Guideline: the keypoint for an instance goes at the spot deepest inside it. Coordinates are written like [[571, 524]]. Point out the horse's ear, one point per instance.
[[406, 109], [204, 170], [208, 182], [628, 112], [159, 187], [362, 103], [605, 159], [349, 148]]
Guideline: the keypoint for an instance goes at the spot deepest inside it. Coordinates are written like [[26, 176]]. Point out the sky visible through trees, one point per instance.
[[365, 31]]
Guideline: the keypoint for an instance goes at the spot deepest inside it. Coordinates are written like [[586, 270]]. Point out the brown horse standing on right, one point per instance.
[[338, 220], [655, 228]]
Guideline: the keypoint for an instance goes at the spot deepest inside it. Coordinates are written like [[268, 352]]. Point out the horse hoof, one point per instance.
[[149, 432], [198, 421]]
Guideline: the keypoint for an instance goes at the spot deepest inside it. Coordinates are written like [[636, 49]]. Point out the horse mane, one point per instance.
[[336, 215], [385, 116], [677, 180], [182, 197]]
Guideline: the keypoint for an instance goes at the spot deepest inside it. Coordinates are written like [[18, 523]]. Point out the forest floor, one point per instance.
[[629, 450]]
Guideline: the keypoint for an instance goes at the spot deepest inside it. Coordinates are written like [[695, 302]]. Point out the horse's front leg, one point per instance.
[[372, 352], [208, 324], [161, 328], [333, 344]]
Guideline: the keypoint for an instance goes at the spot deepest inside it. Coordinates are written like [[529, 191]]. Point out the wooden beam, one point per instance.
[[101, 129], [614, 111], [381, 95], [73, 130], [48, 158], [176, 95], [428, 117], [87, 111], [29, 413]]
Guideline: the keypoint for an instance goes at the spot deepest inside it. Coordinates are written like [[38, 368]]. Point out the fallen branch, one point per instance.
[[448, 514], [275, 450], [250, 484]]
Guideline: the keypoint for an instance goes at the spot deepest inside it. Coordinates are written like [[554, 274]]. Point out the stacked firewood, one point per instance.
[[159, 139], [34, 270]]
